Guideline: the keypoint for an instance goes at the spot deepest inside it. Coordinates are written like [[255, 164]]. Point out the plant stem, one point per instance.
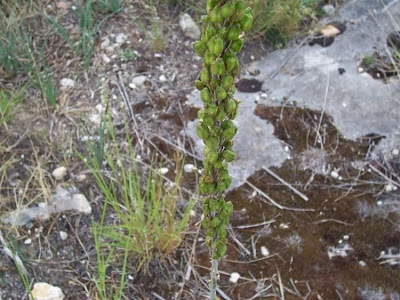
[[214, 278]]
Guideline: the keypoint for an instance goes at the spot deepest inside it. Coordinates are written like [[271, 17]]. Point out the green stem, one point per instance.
[[214, 278]]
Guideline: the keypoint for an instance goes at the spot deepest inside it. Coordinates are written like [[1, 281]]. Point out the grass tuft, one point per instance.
[[145, 221]]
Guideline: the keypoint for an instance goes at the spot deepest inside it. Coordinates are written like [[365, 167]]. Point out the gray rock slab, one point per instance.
[[358, 103], [309, 76]]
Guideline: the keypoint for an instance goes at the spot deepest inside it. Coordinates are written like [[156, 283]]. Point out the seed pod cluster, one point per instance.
[[222, 35]]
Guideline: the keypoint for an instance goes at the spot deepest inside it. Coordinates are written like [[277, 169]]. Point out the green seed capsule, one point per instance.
[[221, 250], [202, 132], [229, 133], [221, 114], [208, 120], [223, 32], [211, 31], [240, 9], [218, 165], [217, 45], [200, 48], [235, 70], [211, 109], [211, 4], [228, 9], [214, 205], [205, 95], [212, 143], [200, 114], [229, 155], [227, 124], [237, 45], [227, 82], [228, 207], [221, 231], [220, 93], [209, 58], [246, 22], [215, 130], [212, 157], [230, 62], [203, 187], [205, 75], [215, 15], [206, 223], [221, 187], [199, 85], [215, 222], [233, 33], [218, 67], [230, 105]]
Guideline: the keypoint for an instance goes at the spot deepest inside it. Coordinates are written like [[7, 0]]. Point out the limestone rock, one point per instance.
[[59, 173], [45, 291], [189, 27]]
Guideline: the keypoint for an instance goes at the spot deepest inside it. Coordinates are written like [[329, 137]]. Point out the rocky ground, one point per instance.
[[316, 204]]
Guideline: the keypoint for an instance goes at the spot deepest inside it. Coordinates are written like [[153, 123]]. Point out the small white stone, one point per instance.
[[360, 70], [105, 58], [132, 86], [100, 108], [395, 152], [59, 173], [346, 237], [329, 9], [130, 277], [379, 203], [162, 78], [163, 171], [344, 104], [81, 177], [264, 251], [121, 38], [45, 291], [105, 43], [81, 204], [67, 83], [28, 241], [252, 57], [334, 174], [389, 187], [362, 263], [157, 55], [139, 80], [189, 27], [264, 95], [234, 277], [284, 226], [189, 168], [63, 235], [286, 148], [192, 213]]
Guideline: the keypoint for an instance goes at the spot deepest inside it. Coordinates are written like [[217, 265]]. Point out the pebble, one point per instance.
[[234, 277], [264, 251], [362, 263], [189, 168], [59, 173], [81, 177], [189, 27], [63, 235], [334, 174], [45, 291], [121, 38], [105, 43], [81, 204], [138, 81], [163, 171], [329, 9], [132, 86], [390, 187], [67, 83], [395, 151], [105, 58], [162, 78], [28, 241]]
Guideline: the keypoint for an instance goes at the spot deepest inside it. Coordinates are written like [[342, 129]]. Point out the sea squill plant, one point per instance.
[[223, 30]]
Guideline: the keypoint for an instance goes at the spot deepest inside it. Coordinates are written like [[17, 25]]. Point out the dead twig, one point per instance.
[[296, 191], [273, 202]]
